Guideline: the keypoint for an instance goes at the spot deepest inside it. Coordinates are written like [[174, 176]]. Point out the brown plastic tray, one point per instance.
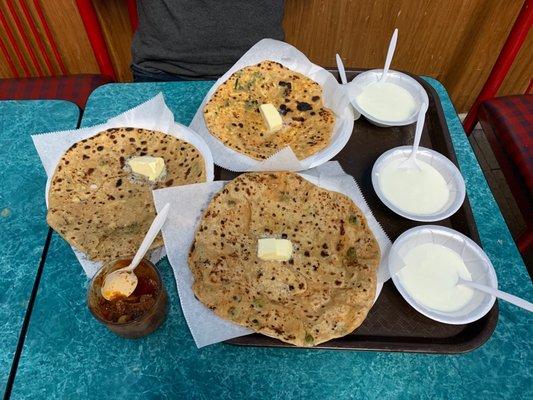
[[392, 324]]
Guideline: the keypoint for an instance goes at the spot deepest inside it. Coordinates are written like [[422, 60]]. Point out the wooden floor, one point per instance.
[[500, 189]]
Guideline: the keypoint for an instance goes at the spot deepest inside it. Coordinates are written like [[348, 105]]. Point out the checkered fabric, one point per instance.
[[511, 118], [75, 88]]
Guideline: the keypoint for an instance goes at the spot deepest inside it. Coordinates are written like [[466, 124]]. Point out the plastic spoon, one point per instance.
[[344, 81], [390, 54], [342, 71], [123, 281], [517, 301], [411, 163]]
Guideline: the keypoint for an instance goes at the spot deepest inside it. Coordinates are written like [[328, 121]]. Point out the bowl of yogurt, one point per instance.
[[431, 193], [394, 102], [425, 264]]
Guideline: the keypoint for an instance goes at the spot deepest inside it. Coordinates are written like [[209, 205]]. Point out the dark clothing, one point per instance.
[[141, 75], [201, 39]]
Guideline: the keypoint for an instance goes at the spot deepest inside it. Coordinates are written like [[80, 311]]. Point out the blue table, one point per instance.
[[23, 226], [68, 354]]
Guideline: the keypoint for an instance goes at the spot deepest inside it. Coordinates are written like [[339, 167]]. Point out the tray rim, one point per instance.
[[397, 346]]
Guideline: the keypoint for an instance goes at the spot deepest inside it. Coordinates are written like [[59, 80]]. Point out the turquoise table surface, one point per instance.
[[68, 354], [23, 226]]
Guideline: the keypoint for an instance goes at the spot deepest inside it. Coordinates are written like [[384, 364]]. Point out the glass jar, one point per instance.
[[137, 315]]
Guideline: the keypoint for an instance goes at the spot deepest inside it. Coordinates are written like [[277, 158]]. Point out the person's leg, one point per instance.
[[141, 75]]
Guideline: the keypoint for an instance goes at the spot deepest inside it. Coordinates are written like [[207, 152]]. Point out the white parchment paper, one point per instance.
[[152, 114], [333, 95], [187, 204]]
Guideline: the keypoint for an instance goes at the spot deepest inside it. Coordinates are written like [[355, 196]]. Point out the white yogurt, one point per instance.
[[416, 191], [430, 276], [387, 102]]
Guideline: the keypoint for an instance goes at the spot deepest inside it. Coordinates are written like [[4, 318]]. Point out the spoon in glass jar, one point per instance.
[[123, 281]]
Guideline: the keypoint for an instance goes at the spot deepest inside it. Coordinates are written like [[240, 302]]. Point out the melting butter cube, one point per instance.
[[147, 166], [271, 117], [271, 249]]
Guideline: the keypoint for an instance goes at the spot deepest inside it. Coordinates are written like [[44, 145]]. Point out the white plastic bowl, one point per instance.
[[476, 261], [445, 167], [364, 79]]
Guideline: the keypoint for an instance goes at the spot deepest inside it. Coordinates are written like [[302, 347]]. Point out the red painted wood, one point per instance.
[[31, 23], [49, 36], [503, 63], [96, 36], [14, 45], [8, 59], [525, 241], [132, 11], [25, 38]]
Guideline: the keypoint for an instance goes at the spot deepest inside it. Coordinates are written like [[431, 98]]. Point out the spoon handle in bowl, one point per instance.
[[419, 128], [342, 71], [517, 301], [390, 54]]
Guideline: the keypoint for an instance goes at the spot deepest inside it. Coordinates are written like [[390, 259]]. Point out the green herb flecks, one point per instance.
[[258, 303], [251, 105], [351, 254], [309, 339], [285, 196], [353, 220]]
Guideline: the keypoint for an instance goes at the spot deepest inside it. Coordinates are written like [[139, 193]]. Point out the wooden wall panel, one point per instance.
[[456, 41], [521, 72], [19, 30], [5, 70], [116, 26], [56, 64], [71, 38], [12, 28]]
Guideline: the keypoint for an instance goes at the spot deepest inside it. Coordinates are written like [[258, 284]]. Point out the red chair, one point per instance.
[[508, 126], [132, 12], [507, 55], [45, 77], [74, 88]]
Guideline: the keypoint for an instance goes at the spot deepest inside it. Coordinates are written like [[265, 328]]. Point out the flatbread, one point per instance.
[[95, 202], [323, 292], [232, 114]]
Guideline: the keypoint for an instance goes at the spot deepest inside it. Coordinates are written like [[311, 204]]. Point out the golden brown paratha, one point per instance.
[[323, 292], [97, 205], [232, 114]]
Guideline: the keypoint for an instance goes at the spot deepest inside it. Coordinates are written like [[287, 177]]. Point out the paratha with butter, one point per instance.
[[232, 114], [99, 206], [324, 291]]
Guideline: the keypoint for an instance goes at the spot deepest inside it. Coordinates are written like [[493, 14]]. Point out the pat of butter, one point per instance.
[[271, 117], [271, 249], [149, 167]]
